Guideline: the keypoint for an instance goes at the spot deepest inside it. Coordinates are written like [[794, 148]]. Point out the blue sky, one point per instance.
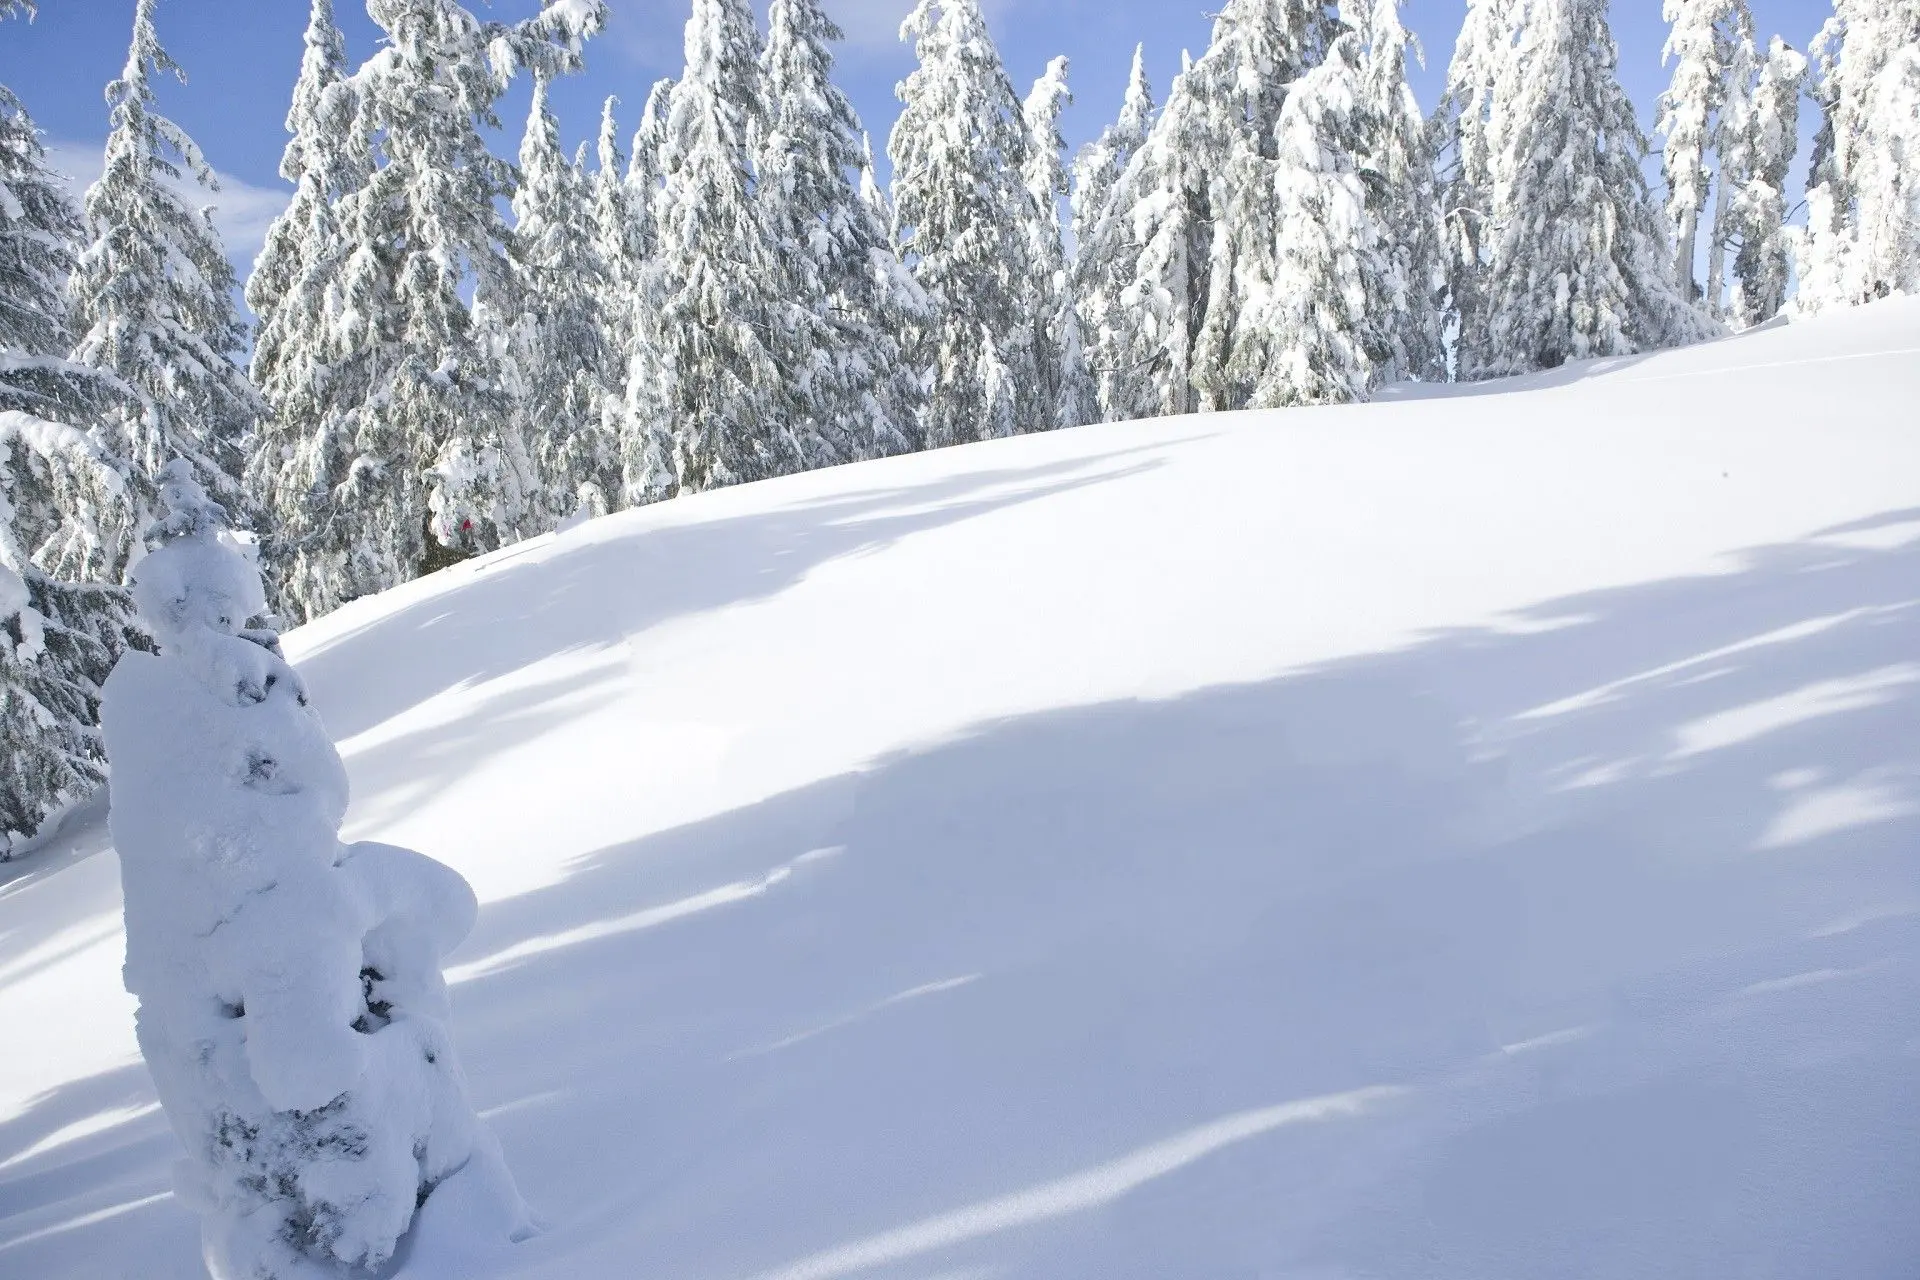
[[241, 57]]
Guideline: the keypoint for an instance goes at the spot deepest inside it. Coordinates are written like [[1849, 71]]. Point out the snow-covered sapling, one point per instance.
[[291, 1006]]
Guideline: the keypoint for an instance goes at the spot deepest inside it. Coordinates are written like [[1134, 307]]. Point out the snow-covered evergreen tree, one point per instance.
[[1307, 323], [1757, 172], [292, 294], [559, 354], [64, 514], [1483, 68], [618, 249], [1403, 280], [1061, 358], [411, 438], [1105, 251], [1862, 239], [709, 369], [153, 292], [1259, 48], [1099, 165], [1560, 253], [959, 151], [842, 294], [1705, 44], [646, 434], [1157, 233], [292, 1011]]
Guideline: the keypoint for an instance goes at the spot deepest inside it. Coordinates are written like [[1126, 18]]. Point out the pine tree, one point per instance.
[[293, 297], [1569, 259], [843, 295], [646, 434], [557, 348], [1105, 249], [1159, 229], [1259, 49], [1757, 214], [1701, 44], [1099, 165], [1307, 320], [412, 436], [1061, 359], [1483, 70], [64, 514], [1403, 281], [711, 375], [1862, 239], [153, 293], [959, 150]]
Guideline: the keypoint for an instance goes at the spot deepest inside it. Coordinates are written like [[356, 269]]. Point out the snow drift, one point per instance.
[[1469, 836]]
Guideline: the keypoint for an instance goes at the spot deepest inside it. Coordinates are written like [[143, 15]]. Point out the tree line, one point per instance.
[[732, 295]]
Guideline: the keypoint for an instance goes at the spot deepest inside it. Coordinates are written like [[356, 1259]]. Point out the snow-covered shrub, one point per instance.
[[292, 1009]]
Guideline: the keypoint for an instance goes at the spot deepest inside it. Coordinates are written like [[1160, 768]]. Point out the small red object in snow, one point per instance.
[[466, 526]]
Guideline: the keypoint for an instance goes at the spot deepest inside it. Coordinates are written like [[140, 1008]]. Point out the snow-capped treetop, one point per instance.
[[1258, 49], [1097, 169], [323, 64], [1045, 172], [153, 292]]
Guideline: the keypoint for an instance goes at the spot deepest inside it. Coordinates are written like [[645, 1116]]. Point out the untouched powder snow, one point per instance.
[[1473, 837]]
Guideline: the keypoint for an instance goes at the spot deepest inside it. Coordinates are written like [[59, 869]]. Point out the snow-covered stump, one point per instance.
[[292, 1010]]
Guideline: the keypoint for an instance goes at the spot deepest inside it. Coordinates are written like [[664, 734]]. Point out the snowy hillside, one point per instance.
[[1473, 837]]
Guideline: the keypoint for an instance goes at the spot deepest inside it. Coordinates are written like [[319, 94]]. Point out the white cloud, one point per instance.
[[241, 210]]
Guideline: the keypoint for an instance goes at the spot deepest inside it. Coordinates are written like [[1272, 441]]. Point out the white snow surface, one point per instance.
[[1467, 837]]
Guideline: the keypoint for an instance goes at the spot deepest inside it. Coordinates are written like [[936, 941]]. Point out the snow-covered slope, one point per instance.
[[1472, 837]]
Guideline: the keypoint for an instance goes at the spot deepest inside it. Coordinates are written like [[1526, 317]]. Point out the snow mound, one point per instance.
[[1467, 836]]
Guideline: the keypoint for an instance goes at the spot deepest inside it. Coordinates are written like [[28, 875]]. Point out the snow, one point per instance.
[[1461, 836], [292, 1012]]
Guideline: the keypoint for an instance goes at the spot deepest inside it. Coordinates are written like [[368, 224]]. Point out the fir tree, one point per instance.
[[1105, 249], [709, 370], [411, 436], [1483, 70], [843, 296], [1259, 48], [1061, 360], [153, 293], [1304, 330], [64, 514], [1568, 257], [1862, 239], [959, 150], [1703, 46], [1758, 211], [1404, 280], [1158, 228], [293, 297], [559, 352], [646, 436], [618, 248]]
